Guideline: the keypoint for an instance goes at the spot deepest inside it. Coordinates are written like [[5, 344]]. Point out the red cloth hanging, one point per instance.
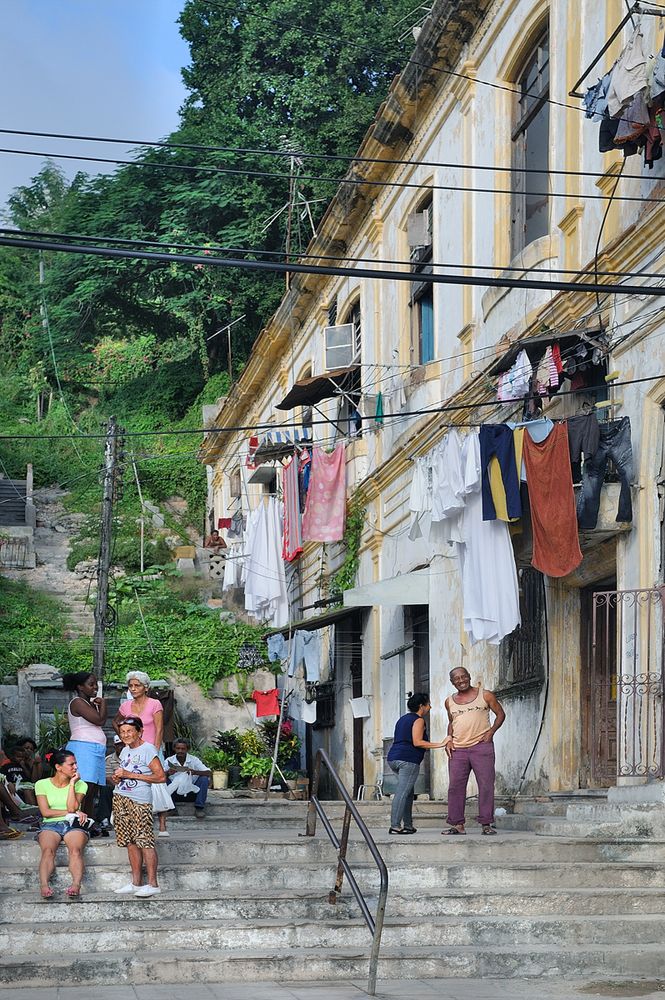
[[267, 702], [556, 545]]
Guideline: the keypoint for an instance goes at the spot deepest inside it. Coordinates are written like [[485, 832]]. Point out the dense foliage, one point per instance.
[[140, 339]]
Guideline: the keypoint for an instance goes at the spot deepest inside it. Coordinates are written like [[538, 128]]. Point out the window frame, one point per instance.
[[523, 120], [528, 639], [421, 295]]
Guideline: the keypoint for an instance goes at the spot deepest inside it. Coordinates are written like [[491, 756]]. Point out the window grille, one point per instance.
[[522, 652]]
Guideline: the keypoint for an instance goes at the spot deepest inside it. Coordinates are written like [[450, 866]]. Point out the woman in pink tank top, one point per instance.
[[87, 715]]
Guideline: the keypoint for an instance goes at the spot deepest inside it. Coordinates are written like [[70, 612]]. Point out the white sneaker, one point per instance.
[[126, 889], [163, 833], [147, 890]]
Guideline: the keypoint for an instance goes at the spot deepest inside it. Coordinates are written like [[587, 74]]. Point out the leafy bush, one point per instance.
[[31, 626], [228, 742], [215, 760]]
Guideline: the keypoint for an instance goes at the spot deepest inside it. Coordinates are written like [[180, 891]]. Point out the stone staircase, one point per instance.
[[245, 898], [52, 537]]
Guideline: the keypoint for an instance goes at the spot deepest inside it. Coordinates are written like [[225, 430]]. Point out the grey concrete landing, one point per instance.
[[444, 989]]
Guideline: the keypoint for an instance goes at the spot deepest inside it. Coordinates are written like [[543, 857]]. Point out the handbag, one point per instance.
[[161, 800]]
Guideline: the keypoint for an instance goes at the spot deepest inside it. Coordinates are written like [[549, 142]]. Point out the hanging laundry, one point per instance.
[[420, 499], [278, 648], [251, 451], [325, 507], [556, 358], [490, 586], [267, 702], [547, 373], [583, 436], [496, 479], [237, 527], [233, 567], [556, 547], [514, 383], [378, 410], [308, 712], [629, 75], [615, 444], [634, 121], [292, 544], [265, 579], [306, 648], [447, 481], [595, 99], [496, 440]]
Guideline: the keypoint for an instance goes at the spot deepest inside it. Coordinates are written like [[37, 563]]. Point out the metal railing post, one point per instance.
[[375, 924]]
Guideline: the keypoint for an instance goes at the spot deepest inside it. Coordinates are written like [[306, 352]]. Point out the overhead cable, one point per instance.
[[351, 181], [285, 425], [207, 248], [328, 157], [296, 267]]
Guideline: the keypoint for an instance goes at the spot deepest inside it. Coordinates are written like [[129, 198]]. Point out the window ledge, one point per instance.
[[423, 373], [519, 688], [536, 253]]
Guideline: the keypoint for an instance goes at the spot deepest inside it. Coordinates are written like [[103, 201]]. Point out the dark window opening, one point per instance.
[[422, 294], [522, 655], [530, 214]]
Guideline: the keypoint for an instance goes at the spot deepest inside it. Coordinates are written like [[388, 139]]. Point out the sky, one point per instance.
[[93, 67]]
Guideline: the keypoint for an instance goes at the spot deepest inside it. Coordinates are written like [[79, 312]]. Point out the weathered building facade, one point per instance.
[[479, 163]]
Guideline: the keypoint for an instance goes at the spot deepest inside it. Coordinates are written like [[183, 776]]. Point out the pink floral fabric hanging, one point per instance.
[[325, 507]]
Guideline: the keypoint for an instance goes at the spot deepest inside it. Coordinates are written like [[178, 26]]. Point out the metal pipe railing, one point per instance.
[[315, 808]]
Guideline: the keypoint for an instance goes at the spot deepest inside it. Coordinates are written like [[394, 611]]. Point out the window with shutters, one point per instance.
[[522, 653], [530, 138], [349, 422], [420, 234]]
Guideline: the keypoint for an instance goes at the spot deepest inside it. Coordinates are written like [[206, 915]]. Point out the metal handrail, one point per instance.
[[375, 923]]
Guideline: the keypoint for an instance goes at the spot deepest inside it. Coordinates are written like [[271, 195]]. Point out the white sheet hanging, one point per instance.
[[487, 562]]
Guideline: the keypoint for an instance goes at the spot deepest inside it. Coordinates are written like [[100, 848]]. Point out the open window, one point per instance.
[[349, 422], [420, 235], [531, 140]]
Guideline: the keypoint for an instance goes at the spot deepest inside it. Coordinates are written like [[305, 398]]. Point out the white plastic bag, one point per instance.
[[161, 800]]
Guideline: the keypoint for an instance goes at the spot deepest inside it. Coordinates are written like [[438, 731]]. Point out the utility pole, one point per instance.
[[104, 564]]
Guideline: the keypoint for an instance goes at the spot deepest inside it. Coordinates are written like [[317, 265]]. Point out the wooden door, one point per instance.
[[418, 619], [599, 690]]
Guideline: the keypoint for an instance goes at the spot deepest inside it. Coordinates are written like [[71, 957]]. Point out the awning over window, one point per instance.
[[277, 444], [319, 621], [410, 588], [310, 391]]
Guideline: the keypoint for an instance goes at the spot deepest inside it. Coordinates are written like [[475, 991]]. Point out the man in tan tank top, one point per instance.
[[472, 750]]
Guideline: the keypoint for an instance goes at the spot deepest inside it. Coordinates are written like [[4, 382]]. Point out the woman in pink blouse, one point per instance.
[[149, 710]]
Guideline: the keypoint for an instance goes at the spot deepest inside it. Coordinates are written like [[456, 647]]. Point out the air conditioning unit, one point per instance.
[[418, 228], [340, 346]]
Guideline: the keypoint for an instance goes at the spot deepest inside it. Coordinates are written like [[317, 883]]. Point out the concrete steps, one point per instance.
[[245, 898], [218, 966]]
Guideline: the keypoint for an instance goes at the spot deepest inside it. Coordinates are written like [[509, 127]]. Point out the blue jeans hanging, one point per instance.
[[615, 443]]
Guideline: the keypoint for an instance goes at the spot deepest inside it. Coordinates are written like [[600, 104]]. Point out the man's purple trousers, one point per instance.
[[480, 760]]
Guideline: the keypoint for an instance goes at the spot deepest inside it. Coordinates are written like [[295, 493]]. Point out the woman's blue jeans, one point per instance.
[[402, 805]]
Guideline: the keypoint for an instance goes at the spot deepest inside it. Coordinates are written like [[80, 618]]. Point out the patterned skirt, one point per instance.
[[133, 822]]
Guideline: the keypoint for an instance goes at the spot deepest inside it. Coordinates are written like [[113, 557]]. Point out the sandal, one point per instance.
[[453, 832], [11, 834], [73, 892], [401, 831], [489, 831], [46, 892]]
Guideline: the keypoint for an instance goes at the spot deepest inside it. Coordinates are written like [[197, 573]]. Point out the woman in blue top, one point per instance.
[[405, 757]]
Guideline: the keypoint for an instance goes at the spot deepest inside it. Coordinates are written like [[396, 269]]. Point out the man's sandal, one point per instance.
[[488, 831], [453, 832]]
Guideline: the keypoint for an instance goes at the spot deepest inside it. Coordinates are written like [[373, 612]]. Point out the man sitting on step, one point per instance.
[[195, 776]]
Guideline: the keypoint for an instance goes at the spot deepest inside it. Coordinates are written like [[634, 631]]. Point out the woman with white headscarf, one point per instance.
[[150, 712]]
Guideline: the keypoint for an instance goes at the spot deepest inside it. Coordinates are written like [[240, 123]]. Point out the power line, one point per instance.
[[328, 157], [285, 425], [299, 268], [207, 248], [337, 181]]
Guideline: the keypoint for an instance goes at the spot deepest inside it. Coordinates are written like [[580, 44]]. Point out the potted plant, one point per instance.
[[228, 740], [256, 768], [218, 762]]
